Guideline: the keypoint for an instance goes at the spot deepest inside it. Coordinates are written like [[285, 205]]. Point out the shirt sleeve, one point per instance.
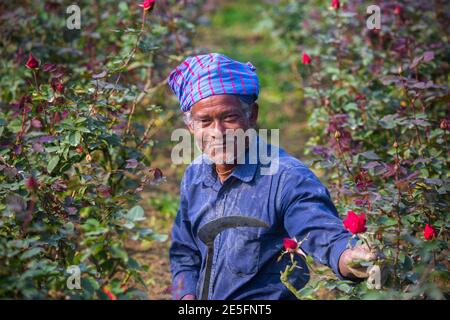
[[308, 211], [185, 258]]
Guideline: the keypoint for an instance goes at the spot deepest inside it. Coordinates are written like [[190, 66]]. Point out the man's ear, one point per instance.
[[254, 116], [190, 127]]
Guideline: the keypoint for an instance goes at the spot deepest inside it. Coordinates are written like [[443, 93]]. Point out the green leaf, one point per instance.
[[370, 155], [123, 6], [386, 221], [31, 253], [89, 284], [389, 121], [118, 252], [135, 214], [345, 288], [306, 292], [160, 237], [52, 164], [75, 138]]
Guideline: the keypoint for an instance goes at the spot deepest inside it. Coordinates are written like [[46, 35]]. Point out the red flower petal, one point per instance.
[[32, 63], [289, 243], [429, 232], [306, 59], [335, 4], [147, 4], [354, 223]]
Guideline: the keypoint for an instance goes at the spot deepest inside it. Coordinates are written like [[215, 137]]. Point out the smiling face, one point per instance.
[[215, 116]]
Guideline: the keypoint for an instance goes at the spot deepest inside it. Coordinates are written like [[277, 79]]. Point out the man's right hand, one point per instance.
[[189, 297]]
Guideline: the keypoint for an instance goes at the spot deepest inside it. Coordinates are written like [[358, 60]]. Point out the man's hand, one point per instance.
[[350, 257], [188, 297]]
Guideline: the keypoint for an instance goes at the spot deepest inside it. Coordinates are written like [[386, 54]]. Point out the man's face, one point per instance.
[[212, 118]]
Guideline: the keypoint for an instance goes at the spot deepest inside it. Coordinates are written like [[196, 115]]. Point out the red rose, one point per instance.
[[289, 244], [110, 295], [32, 63], [60, 87], [57, 85], [397, 10], [147, 4], [79, 149], [354, 223], [105, 191], [335, 4], [157, 174], [429, 232], [306, 59], [31, 183]]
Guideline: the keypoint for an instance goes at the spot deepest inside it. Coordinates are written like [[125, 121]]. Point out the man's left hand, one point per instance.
[[351, 256]]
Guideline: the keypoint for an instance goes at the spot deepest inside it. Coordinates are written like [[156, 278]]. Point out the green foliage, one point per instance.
[[378, 102], [74, 157]]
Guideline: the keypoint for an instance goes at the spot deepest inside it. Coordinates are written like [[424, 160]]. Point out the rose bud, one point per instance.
[[429, 232], [60, 87], [147, 5], [335, 4], [57, 85], [105, 191], [32, 63], [157, 174], [31, 183], [337, 134], [306, 59], [290, 244]]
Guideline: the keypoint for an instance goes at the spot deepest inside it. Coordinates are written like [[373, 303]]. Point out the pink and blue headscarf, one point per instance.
[[202, 76]]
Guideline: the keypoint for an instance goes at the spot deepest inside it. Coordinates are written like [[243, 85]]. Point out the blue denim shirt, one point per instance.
[[293, 202]]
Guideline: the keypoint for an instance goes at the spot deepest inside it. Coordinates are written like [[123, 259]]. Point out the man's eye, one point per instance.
[[203, 121], [231, 117]]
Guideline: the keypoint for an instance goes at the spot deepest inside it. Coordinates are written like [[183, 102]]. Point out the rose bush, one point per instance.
[[75, 149], [379, 111]]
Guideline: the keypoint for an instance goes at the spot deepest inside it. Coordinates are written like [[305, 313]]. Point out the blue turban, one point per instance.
[[211, 74]]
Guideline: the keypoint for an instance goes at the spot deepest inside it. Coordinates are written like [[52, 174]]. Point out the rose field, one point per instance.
[[88, 187]]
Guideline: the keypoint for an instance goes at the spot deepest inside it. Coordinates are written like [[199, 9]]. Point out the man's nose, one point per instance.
[[219, 128]]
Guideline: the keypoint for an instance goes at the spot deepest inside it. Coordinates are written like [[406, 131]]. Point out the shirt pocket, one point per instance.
[[243, 251]]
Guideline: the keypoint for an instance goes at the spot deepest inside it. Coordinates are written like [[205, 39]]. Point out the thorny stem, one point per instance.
[[35, 80], [285, 281], [133, 107], [366, 242], [132, 52], [344, 159], [398, 231], [139, 97], [446, 143], [19, 137]]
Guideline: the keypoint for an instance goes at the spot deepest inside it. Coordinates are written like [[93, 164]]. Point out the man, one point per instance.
[[218, 96]]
